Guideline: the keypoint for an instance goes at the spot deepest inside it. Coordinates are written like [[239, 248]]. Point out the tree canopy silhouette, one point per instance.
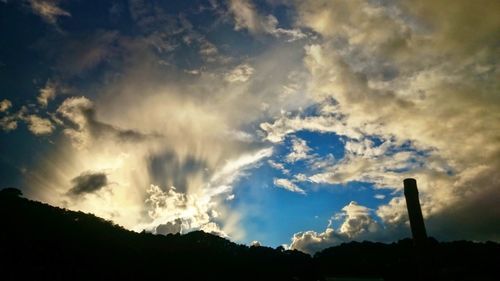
[[41, 242]]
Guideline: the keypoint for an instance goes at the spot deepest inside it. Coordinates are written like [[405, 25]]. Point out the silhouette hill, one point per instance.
[[42, 242]]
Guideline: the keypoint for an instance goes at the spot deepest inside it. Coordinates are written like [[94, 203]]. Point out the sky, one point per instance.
[[284, 122]]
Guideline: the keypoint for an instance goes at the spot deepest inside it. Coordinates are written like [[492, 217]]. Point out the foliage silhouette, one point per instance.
[[41, 242]]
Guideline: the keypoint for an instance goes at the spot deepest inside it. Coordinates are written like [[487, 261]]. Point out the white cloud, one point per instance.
[[278, 166], [174, 211], [5, 104], [366, 162], [300, 150], [285, 125], [48, 10], [311, 241], [401, 74], [38, 125], [288, 185], [8, 123], [247, 17], [384, 67], [47, 93], [255, 243], [358, 225], [76, 110], [358, 222], [240, 73]]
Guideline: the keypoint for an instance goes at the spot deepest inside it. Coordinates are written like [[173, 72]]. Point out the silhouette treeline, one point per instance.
[[42, 242]]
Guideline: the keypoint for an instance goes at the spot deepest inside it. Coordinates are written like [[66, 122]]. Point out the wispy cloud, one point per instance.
[[247, 17], [288, 185], [48, 10]]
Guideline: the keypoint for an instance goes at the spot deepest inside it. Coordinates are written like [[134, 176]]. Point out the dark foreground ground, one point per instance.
[[41, 242]]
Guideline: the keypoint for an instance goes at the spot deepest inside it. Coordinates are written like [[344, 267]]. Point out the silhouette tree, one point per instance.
[[41, 242]]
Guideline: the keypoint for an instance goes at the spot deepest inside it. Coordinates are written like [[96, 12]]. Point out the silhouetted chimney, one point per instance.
[[414, 212]]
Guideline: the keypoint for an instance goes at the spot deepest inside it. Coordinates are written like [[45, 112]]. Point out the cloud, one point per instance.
[[5, 104], [278, 166], [400, 74], [410, 91], [240, 73], [383, 165], [276, 132], [300, 150], [288, 185], [255, 243], [358, 221], [357, 225], [38, 125], [311, 241], [84, 126], [48, 10], [8, 123], [75, 58], [181, 131], [179, 212], [88, 182], [171, 227], [247, 17], [48, 92]]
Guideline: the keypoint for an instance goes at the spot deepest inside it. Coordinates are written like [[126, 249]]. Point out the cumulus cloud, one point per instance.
[[401, 73], [358, 225], [48, 10], [312, 241], [5, 104], [410, 90], [181, 213], [255, 243], [358, 222], [8, 123], [88, 182], [47, 93], [300, 150], [288, 185], [171, 227], [38, 125]]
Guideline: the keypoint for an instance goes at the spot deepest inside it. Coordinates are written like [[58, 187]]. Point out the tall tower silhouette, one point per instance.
[[414, 212]]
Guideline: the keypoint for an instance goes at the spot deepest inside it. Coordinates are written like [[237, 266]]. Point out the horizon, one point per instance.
[[283, 122]]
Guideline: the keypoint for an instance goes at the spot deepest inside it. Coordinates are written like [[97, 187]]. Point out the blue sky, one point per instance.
[[283, 122]]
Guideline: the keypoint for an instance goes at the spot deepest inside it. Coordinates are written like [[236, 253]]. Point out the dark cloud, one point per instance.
[[88, 182], [82, 116], [170, 227], [167, 170], [477, 218]]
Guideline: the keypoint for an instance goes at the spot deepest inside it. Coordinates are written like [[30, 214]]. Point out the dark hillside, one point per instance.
[[41, 242]]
